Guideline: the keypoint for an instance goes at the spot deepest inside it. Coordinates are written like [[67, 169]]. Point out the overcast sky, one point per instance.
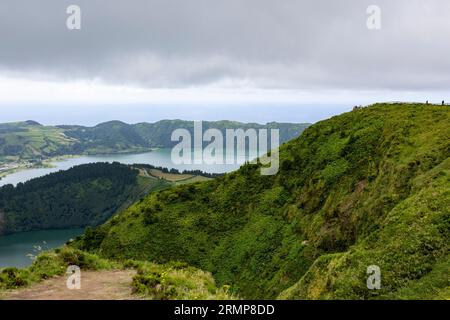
[[260, 60]]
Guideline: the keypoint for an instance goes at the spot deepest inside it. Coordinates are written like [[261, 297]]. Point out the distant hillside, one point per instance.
[[30, 140], [159, 133], [369, 187]]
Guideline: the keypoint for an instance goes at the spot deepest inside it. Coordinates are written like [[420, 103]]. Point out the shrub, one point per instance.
[[11, 278], [176, 281], [150, 212]]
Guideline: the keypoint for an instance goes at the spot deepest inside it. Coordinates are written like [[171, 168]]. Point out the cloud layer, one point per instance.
[[289, 44]]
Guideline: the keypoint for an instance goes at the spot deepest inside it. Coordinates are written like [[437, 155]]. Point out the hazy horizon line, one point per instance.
[[146, 122]]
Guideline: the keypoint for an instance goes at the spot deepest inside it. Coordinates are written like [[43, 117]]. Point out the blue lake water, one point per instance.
[[16, 248]]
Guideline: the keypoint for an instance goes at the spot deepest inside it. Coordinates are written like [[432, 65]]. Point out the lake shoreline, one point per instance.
[[49, 163], [45, 164], [18, 249]]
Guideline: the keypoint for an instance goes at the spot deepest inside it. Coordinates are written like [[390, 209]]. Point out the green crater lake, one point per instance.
[[15, 248]]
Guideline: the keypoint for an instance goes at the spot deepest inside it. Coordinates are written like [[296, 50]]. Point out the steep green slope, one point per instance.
[[369, 187], [85, 195], [410, 247]]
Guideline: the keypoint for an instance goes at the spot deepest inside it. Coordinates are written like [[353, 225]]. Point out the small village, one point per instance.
[[11, 166]]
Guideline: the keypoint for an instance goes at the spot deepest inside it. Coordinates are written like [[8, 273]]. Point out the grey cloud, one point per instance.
[[269, 44]]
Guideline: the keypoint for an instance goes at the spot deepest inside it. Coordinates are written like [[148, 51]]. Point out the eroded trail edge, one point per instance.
[[95, 285]]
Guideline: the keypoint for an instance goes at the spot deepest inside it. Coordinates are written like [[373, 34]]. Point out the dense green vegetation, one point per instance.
[[369, 187], [175, 281], [85, 195], [31, 141]]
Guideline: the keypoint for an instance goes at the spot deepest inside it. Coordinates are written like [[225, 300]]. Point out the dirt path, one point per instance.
[[95, 285]]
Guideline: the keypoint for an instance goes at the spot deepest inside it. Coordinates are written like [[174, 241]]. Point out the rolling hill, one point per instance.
[[30, 140], [368, 187]]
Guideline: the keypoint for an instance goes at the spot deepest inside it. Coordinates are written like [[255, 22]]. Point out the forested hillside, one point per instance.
[[159, 133], [369, 187], [85, 195]]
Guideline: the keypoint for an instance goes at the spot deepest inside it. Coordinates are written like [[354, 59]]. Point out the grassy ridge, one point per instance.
[[367, 187]]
